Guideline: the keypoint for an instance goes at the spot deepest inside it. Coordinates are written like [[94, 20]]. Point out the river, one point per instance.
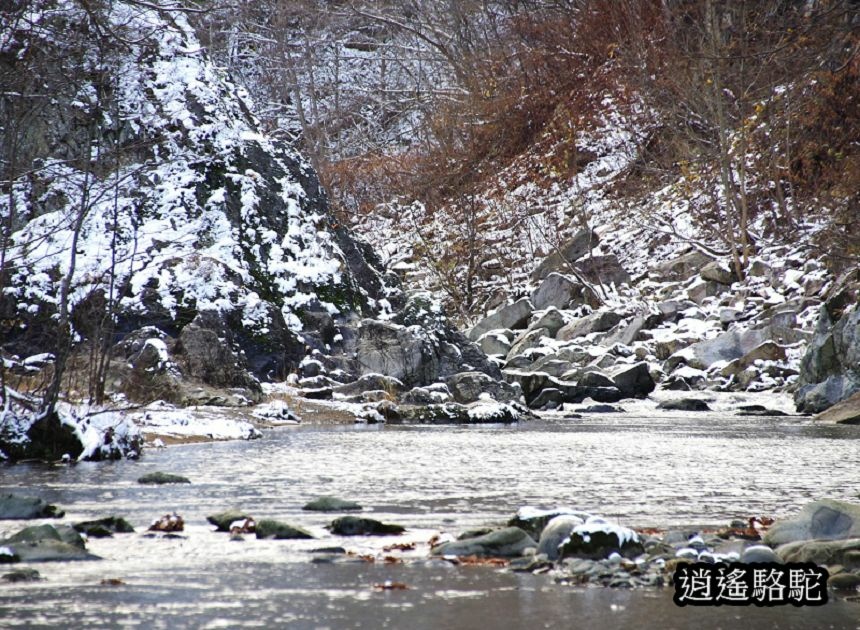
[[640, 470]]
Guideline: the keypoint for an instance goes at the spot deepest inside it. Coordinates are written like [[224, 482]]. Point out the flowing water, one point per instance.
[[640, 470]]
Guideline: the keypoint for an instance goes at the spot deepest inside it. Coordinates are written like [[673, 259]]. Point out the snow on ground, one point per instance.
[[213, 423]]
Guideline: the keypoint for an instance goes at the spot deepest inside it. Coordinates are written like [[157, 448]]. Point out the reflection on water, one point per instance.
[[640, 471]]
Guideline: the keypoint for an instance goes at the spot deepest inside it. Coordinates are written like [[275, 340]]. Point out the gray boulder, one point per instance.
[[727, 346], [47, 543], [826, 519], [357, 526], [822, 552], [15, 507], [830, 369], [704, 289], [596, 322], [527, 341], [684, 404], [331, 504], [557, 531], [845, 412], [594, 378], [553, 320], [371, 382], [209, 352], [223, 520], [496, 342], [759, 553], [548, 398], [626, 333], [681, 268], [597, 539], [503, 543], [397, 351], [581, 244], [104, 527], [275, 530], [557, 291], [603, 270], [512, 316], [467, 387], [633, 381], [718, 271], [531, 383]]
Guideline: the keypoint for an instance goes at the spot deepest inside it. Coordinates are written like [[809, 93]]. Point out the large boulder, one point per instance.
[[210, 353], [826, 519], [503, 543], [681, 268], [496, 342], [15, 507], [556, 290], [512, 316], [557, 532], [397, 351], [597, 538], [633, 381], [552, 319], [570, 251], [726, 347], [47, 543], [845, 412], [821, 552], [596, 322], [467, 387], [358, 526], [605, 270], [527, 341], [719, 272], [830, 369]]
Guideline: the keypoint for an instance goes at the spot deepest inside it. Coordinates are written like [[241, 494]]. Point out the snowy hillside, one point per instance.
[[182, 205]]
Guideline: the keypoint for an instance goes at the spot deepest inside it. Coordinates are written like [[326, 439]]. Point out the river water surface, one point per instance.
[[639, 470]]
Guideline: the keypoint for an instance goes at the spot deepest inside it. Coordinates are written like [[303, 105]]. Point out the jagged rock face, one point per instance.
[[179, 198], [830, 370]]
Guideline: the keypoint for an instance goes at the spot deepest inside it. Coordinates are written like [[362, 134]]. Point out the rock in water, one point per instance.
[[356, 526], [503, 543], [223, 520], [15, 507], [533, 520], [160, 478], [826, 519], [46, 543], [331, 504], [104, 527], [684, 404], [22, 575], [597, 539], [557, 531], [276, 530]]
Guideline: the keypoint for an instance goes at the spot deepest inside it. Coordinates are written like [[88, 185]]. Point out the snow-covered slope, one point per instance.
[[183, 206]]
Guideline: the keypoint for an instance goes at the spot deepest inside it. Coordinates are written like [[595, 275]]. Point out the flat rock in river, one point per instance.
[[46, 543], [160, 478], [15, 507], [331, 504], [357, 526], [502, 543]]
